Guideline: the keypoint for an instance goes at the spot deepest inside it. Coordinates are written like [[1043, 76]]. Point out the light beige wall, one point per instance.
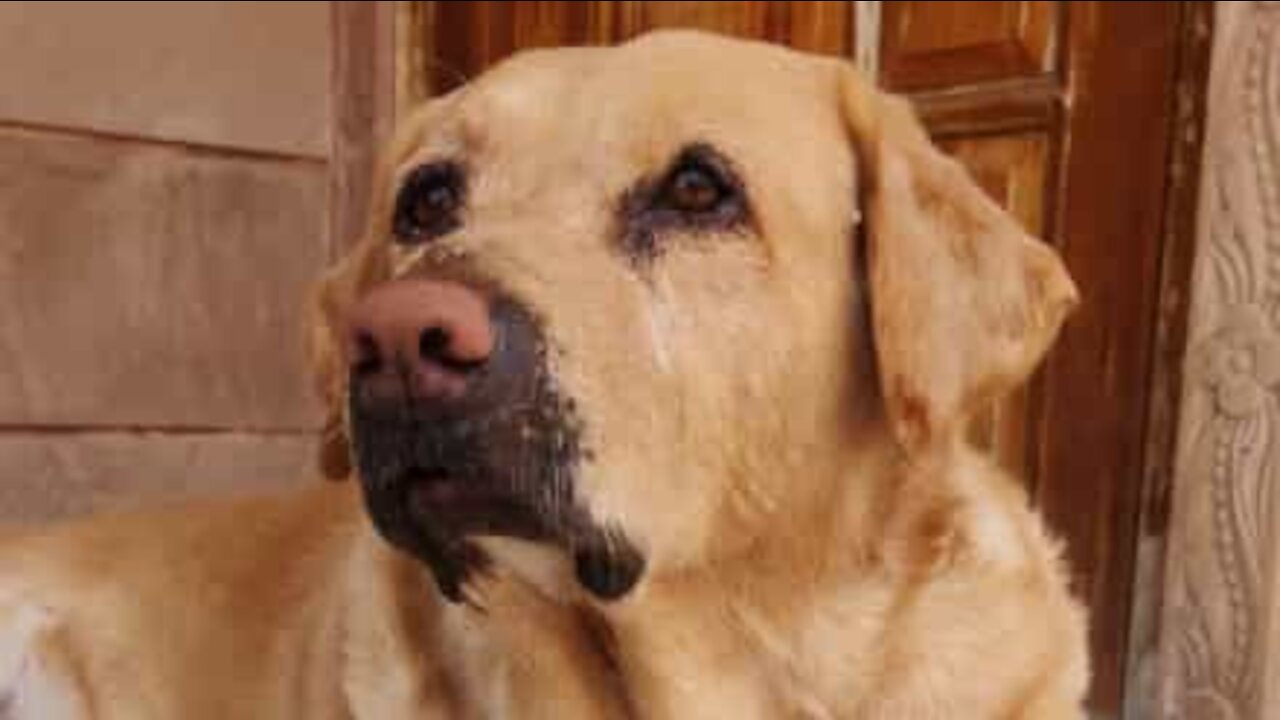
[[1219, 642], [164, 169], [229, 74]]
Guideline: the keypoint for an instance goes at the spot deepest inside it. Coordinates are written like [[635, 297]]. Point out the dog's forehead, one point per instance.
[[638, 101]]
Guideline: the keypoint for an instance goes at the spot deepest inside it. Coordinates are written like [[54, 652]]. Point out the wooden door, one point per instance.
[[1064, 112]]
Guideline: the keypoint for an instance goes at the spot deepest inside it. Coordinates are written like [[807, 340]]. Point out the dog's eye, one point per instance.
[[429, 203], [698, 193], [695, 187]]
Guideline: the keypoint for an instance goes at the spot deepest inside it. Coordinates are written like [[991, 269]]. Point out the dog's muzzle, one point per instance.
[[459, 431]]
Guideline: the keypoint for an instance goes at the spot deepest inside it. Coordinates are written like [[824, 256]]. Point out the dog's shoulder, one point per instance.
[[977, 562], [89, 604], [172, 546]]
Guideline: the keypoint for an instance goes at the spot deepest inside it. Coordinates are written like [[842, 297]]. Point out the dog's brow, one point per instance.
[[420, 158]]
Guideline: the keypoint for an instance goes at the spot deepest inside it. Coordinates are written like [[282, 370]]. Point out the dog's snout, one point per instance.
[[427, 335]]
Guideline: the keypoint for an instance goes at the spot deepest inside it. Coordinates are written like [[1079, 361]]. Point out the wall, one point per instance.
[[165, 172]]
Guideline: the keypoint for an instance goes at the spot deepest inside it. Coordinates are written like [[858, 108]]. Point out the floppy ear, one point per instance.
[[964, 303], [329, 303]]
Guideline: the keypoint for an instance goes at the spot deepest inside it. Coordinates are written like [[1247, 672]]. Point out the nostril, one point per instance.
[[367, 360], [433, 344]]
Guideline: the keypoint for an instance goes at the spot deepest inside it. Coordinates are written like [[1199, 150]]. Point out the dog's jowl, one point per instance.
[[646, 391]]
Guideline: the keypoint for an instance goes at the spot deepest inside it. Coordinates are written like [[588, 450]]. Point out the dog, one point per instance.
[[651, 374]]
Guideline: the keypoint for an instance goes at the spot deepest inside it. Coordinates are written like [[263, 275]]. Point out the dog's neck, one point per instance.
[[742, 635]]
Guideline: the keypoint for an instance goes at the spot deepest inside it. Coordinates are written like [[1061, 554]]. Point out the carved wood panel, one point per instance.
[[1220, 643]]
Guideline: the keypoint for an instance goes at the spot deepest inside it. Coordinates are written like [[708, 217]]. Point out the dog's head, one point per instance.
[[641, 304]]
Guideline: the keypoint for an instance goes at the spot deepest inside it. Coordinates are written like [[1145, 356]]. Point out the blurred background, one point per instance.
[[174, 176]]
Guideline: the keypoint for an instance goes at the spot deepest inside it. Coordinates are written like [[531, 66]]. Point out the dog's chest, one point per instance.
[[725, 660]]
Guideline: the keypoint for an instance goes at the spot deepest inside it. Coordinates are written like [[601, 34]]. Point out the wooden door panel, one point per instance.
[[1110, 224], [744, 19], [940, 44], [463, 38], [467, 37], [1010, 168], [817, 26]]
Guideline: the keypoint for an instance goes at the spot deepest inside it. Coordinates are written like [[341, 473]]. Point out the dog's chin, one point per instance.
[[545, 567], [461, 528], [607, 572], [467, 508]]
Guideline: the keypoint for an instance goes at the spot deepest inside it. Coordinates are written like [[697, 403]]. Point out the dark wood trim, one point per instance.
[[1110, 228], [1182, 199], [1004, 107]]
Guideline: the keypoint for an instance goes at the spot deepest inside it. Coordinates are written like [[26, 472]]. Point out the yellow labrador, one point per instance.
[[653, 368]]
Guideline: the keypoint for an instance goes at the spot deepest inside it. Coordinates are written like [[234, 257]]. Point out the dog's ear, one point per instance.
[[330, 300], [964, 303]]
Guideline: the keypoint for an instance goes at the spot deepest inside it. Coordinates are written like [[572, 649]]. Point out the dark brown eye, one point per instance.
[[429, 204], [699, 192], [694, 189]]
